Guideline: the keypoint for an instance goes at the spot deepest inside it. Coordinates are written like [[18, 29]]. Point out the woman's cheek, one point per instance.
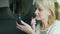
[[43, 16]]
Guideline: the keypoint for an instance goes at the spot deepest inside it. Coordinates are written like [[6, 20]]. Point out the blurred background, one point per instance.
[[7, 15], [8, 12], [57, 9]]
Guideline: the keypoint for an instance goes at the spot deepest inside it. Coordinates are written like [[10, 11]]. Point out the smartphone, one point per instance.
[[19, 20]]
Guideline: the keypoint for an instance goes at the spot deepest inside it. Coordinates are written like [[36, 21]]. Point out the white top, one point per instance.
[[53, 29]]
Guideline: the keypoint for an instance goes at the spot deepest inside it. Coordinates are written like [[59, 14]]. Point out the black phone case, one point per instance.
[[19, 20]]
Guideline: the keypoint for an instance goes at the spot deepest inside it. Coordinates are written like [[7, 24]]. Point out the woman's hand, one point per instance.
[[27, 28]]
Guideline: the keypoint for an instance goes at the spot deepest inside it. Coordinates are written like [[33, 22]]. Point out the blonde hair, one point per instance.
[[48, 4]]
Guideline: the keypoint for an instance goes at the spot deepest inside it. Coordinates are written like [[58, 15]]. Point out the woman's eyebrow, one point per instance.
[[39, 8]]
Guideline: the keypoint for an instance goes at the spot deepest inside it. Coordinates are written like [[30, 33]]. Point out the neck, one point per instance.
[[44, 24]]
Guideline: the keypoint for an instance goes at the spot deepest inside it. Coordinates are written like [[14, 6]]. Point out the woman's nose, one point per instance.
[[36, 11]]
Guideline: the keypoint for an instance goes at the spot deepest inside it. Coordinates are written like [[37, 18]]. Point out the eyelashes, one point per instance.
[[38, 9]]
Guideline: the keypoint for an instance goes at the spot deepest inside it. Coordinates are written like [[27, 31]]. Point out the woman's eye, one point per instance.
[[39, 9]]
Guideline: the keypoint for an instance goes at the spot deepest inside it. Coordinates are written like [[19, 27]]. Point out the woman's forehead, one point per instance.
[[40, 6]]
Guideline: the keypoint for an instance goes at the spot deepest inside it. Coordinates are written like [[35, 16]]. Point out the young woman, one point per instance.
[[45, 13]]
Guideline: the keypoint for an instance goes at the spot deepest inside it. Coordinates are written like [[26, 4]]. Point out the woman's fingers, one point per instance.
[[24, 23], [21, 27], [18, 25], [33, 22], [25, 27]]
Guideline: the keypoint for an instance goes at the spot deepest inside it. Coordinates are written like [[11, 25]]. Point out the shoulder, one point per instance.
[[56, 27], [57, 21]]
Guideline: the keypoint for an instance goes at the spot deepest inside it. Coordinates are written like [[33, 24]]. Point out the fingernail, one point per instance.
[[22, 21]]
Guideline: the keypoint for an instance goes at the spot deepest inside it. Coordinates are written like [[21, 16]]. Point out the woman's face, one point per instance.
[[42, 13]]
